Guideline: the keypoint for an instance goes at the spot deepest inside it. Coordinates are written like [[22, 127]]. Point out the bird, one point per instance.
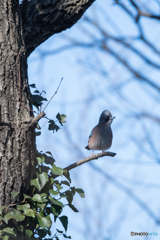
[[101, 135]]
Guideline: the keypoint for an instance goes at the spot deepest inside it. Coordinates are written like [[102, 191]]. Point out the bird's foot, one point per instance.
[[92, 154], [103, 151]]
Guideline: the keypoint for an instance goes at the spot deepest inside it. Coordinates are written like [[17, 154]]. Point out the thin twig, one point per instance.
[[87, 159], [53, 95]]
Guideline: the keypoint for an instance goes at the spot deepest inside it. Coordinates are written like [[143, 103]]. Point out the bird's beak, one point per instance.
[[112, 118]]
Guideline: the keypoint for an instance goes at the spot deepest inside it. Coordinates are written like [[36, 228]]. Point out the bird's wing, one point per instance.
[[91, 134]]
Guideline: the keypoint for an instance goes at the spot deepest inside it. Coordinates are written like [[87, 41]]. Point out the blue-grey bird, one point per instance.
[[101, 135]]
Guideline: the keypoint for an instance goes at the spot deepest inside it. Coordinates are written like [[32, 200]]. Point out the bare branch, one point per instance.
[[87, 159]]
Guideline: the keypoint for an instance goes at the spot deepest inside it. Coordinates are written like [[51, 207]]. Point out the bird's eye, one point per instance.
[[106, 118]]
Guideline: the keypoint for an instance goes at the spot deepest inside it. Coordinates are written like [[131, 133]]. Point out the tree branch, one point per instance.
[[45, 18], [87, 159]]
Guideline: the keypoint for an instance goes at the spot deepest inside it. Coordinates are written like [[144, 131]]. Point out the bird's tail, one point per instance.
[[87, 147]]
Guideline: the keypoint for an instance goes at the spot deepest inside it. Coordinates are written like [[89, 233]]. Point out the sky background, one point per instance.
[[122, 193]]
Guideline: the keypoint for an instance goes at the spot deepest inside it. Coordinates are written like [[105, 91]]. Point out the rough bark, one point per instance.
[[22, 28], [42, 19], [17, 140]]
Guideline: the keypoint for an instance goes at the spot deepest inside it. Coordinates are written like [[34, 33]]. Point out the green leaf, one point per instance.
[[69, 195], [44, 197], [45, 222], [26, 196], [8, 216], [49, 153], [67, 175], [73, 207], [37, 198], [59, 187], [5, 237], [14, 194], [55, 202], [80, 192], [35, 98], [64, 221], [30, 213], [28, 233], [61, 118], [53, 192], [57, 170], [65, 236], [20, 228], [1, 209], [33, 85], [66, 183], [41, 205], [43, 178], [42, 233], [35, 182], [52, 126], [19, 217], [36, 91], [56, 210], [38, 133], [10, 231], [48, 159], [59, 231], [24, 207]]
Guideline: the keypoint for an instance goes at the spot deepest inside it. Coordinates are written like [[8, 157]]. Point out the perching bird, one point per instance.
[[101, 135]]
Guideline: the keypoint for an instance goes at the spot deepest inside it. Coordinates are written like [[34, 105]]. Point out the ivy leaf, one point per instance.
[[59, 231], [36, 91], [64, 221], [10, 231], [41, 205], [56, 202], [57, 171], [43, 178], [33, 85], [53, 126], [38, 133], [42, 233], [80, 192], [35, 182], [28, 233], [24, 207], [20, 228], [59, 187], [40, 159], [37, 198], [67, 175], [69, 195], [73, 207], [14, 194], [15, 215], [48, 159], [26, 196], [66, 183], [1, 209], [53, 192], [45, 222], [30, 213], [35, 98], [19, 217], [61, 118], [49, 153], [65, 236]]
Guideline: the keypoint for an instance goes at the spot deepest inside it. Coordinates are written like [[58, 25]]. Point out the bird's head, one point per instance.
[[106, 117]]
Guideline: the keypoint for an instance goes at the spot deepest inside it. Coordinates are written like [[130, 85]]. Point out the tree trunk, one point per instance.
[[17, 140], [22, 28]]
